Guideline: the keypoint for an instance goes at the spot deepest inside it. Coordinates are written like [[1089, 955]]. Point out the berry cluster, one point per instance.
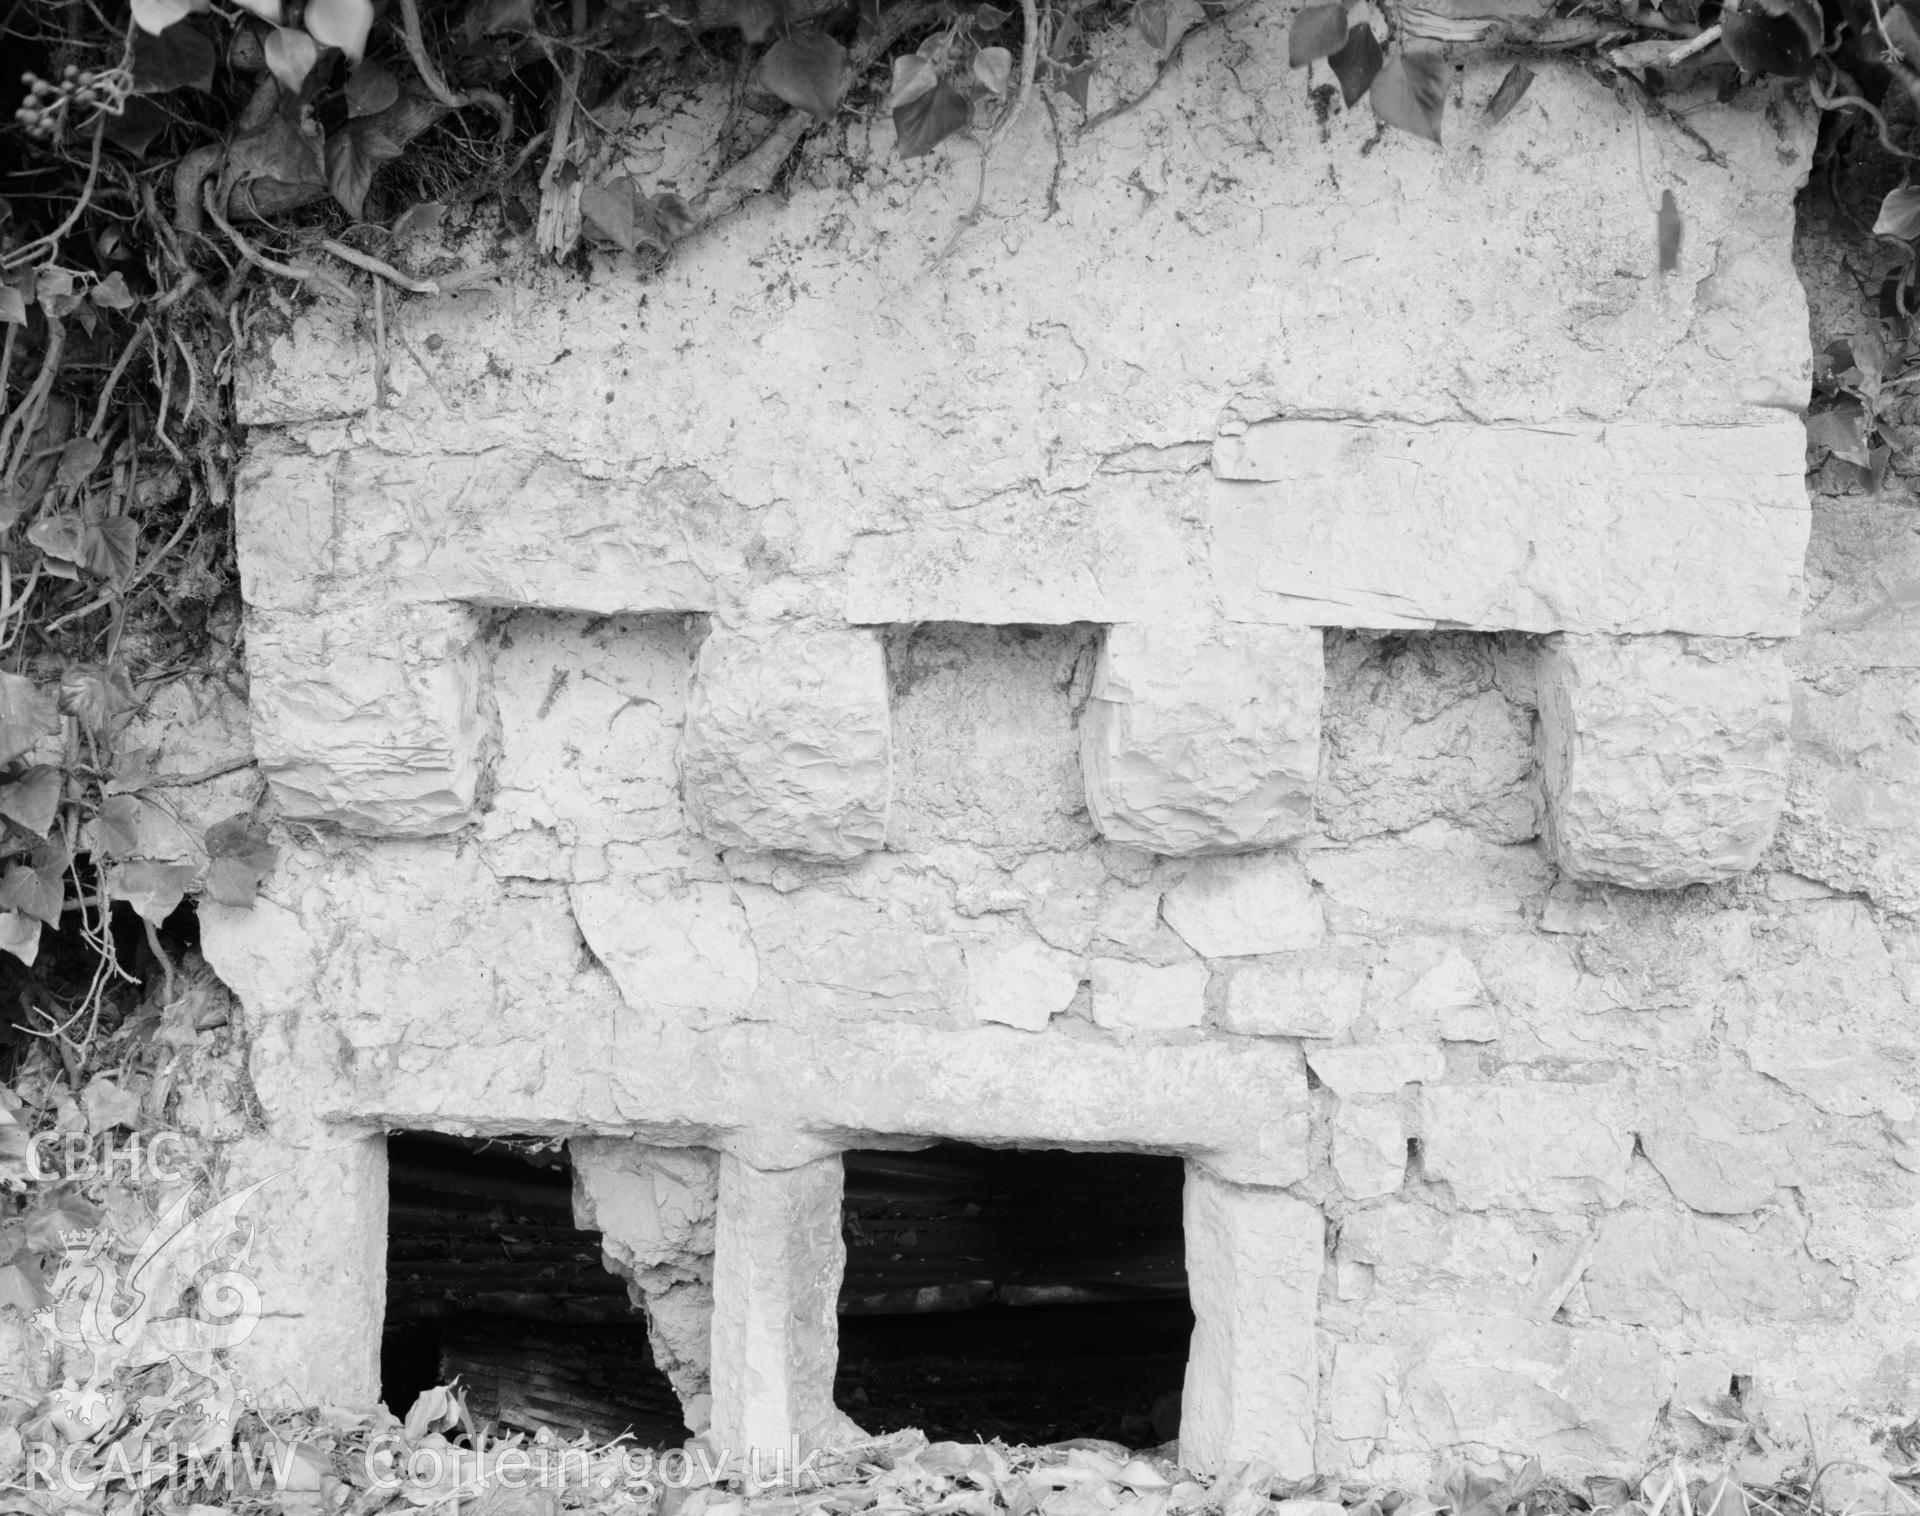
[[50, 103]]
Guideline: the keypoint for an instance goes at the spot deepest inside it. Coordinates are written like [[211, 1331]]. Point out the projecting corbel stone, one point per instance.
[[777, 1262], [1254, 1259], [788, 741], [1203, 739], [1664, 758], [369, 716]]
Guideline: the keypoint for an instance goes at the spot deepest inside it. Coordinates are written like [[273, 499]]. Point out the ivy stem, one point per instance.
[[1694, 45], [430, 75]]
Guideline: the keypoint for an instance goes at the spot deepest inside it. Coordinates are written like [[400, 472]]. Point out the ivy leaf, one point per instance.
[[1513, 86], [112, 294], [1773, 36], [20, 936], [177, 57], [755, 18], [109, 547], [1357, 63], [1319, 31], [1667, 229], [1410, 92], [1841, 430], [239, 857], [358, 150], [13, 305], [913, 76], [1075, 82], [1150, 20], [1899, 214], [808, 71], [269, 11], [78, 458], [33, 892], [32, 801], [922, 124], [134, 129], [154, 17], [291, 56], [276, 150], [154, 890], [341, 23], [370, 89], [116, 826], [619, 212], [993, 67], [94, 693], [58, 535], [26, 715]]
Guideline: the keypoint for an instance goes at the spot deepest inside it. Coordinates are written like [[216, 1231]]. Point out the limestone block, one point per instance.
[[283, 505], [1715, 1139], [1663, 1268], [318, 1261], [1305, 994], [1664, 759], [1497, 1263], [654, 1210], [1578, 1399], [1203, 740], [685, 954], [1369, 1152], [1254, 1260], [1635, 527], [1540, 1146], [777, 1261], [1256, 903], [1362, 1389], [1376, 1069], [1145, 997], [370, 717], [1021, 983], [787, 744], [1446, 997], [1434, 876]]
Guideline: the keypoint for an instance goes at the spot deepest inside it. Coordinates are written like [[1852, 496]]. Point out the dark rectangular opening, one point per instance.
[[1030, 1295], [489, 1279]]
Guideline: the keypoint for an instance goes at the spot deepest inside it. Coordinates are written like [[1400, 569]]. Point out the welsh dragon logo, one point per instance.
[[186, 1294]]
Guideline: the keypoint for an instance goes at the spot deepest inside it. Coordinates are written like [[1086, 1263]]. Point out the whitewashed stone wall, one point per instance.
[[1274, 649]]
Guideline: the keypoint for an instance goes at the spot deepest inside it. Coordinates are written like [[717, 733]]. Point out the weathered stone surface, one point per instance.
[[590, 713], [370, 719], [777, 1261], [788, 743], [1709, 1140], [1369, 1150], [1426, 728], [1581, 1399], [654, 1209], [1254, 1259], [1435, 876], [1203, 740], [1361, 1389], [680, 953], [1417, 1253], [1569, 528], [1233, 907], [1143, 997], [1540, 1146], [318, 1260], [1444, 995], [1664, 759], [985, 751], [1663, 1268], [1376, 1068], [1020, 983], [1304, 994]]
